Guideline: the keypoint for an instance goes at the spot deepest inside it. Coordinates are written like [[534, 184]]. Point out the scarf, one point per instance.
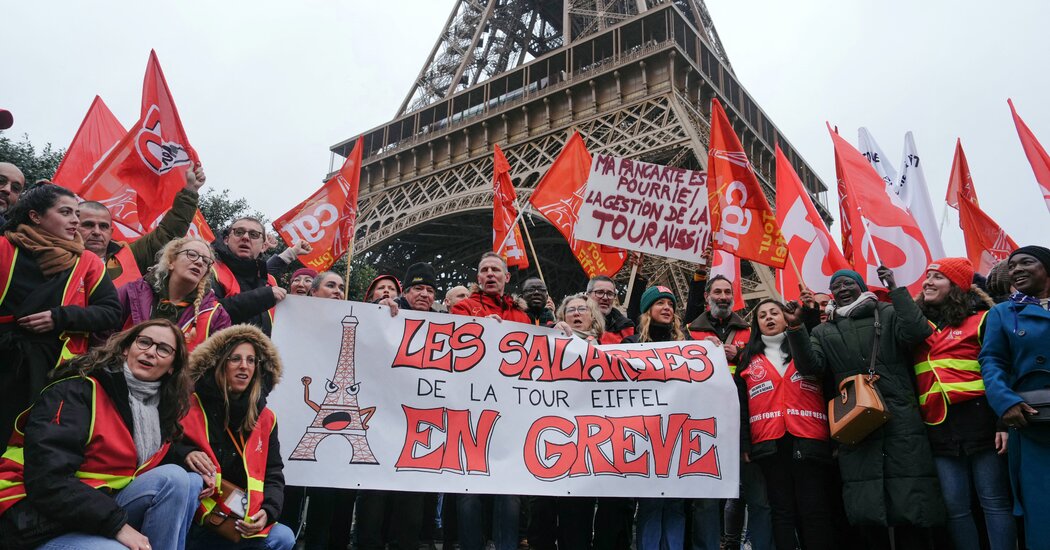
[[774, 351], [1024, 299], [53, 254], [844, 311], [144, 398]]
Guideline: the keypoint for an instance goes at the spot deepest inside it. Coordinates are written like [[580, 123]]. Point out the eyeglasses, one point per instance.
[[252, 234], [577, 309], [193, 255], [16, 186], [145, 342], [603, 293]]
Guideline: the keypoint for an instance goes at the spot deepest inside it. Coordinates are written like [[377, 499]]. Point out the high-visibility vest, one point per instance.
[[129, 267], [110, 458], [229, 283], [193, 340], [791, 403], [84, 278], [256, 451], [946, 368], [737, 337]]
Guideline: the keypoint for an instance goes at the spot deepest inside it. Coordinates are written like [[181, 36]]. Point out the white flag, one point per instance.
[[912, 190], [867, 147]]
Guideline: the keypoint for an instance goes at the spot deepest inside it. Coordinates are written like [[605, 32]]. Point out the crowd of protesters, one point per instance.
[[134, 381]]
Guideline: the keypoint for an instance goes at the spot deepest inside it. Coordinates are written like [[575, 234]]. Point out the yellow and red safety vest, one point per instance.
[[83, 280], [946, 368], [791, 403], [193, 339], [129, 267], [229, 284], [738, 338], [254, 455], [110, 458]]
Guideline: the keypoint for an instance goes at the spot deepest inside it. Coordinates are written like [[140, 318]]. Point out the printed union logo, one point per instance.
[[159, 155], [738, 158], [756, 372]]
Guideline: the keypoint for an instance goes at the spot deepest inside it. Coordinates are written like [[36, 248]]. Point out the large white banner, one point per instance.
[[443, 403], [649, 208]]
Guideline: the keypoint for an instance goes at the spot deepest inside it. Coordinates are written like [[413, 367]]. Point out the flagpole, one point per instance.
[[528, 237], [499, 249], [630, 284], [944, 218], [349, 257], [867, 235]]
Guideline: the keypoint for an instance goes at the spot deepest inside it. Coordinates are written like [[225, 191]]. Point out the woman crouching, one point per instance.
[[231, 436], [92, 448]]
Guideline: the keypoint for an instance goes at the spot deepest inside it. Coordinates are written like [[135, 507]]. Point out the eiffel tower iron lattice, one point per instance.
[[634, 77]]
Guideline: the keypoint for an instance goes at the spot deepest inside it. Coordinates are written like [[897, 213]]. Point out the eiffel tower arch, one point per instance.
[[634, 77]]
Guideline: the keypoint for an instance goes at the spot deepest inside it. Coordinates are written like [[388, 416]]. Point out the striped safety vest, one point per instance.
[[946, 368], [256, 451], [83, 280], [110, 458]]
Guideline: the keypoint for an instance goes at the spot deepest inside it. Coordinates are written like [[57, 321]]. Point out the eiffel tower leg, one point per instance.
[[362, 453], [307, 447]]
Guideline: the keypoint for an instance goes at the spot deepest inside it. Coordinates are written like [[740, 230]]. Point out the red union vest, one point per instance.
[[85, 277], [256, 450], [790, 404], [946, 368], [129, 267], [110, 459], [737, 337], [203, 327], [229, 283]]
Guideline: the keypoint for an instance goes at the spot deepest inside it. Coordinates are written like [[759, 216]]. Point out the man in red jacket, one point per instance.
[[489, 300]]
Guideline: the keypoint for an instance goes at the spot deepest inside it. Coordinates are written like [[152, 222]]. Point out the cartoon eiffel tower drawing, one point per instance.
[[339, 413]]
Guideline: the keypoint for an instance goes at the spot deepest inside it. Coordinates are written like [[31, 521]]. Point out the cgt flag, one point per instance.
[[558, 197], [882, 229], [1037, 156], [813, 255], [960, 184], [98, 133], [986, 242], [505, 214], [742, 221], [326, 220]]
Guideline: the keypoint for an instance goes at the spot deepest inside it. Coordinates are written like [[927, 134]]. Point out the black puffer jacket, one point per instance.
[[252, 304]]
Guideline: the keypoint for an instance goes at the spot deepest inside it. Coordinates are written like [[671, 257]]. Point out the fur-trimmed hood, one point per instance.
[[205, 358]]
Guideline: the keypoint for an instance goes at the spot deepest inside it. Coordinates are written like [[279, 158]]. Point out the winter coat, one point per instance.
[[56, 502], [617, 327], [138, 299], [172, 226], [1017, 342], [543, 317], [256, 298], [203, 362], [889, 477], [480, 304]]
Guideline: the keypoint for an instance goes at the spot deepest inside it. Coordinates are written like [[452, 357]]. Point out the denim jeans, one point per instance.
[[280, 538], [707, 524], [470, 514], [661, 524], [160, 505], [992, 483]]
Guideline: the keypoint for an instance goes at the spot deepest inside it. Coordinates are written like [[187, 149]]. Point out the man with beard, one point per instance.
[[534, 292], [618, 326], [12, 183], [126, 262]]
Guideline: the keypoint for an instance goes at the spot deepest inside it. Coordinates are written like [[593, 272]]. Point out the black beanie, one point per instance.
[[420, 274], [1040, 253]]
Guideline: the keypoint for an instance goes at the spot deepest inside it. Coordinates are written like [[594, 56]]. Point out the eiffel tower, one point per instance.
[[634, 77]]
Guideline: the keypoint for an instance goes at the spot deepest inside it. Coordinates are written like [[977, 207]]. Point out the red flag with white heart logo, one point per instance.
[[326, 219], [742, 221]]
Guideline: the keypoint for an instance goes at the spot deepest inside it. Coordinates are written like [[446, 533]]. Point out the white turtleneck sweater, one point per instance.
[[774, 353]]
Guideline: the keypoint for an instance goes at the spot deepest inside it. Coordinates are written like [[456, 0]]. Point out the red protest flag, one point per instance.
[[326, 220], [1037, 156], [505, 214], [960, 183], [558, 197], [743, 223], [882, 229], [986, 242], [813, 256], [97, 134]]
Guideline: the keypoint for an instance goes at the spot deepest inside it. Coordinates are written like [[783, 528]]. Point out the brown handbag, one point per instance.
[[219, 522], [859, 408]]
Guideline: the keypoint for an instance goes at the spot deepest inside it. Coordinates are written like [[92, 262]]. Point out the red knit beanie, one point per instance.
[[957, 270]]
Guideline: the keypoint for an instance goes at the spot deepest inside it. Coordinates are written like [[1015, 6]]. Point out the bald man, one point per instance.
[[127, 262], [12, 183]]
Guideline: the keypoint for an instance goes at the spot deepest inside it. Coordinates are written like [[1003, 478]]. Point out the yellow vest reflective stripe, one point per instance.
[[946, 368]]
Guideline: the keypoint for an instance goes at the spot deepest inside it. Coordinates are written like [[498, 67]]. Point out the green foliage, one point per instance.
[[34, 165], [220, 210]]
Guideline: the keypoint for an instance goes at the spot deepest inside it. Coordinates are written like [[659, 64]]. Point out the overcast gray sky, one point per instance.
[[265, 87]]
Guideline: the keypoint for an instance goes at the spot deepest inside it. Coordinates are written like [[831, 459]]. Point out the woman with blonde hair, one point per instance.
[[178, 289], [235, 371], [583, 316]]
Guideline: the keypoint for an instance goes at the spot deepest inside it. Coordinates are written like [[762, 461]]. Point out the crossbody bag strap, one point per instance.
[[875, 343]]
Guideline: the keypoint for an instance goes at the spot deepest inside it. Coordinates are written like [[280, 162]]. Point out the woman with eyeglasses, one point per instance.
[[231, 435], [86, 466], [53, 294], [177, 289], [583, 316]]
